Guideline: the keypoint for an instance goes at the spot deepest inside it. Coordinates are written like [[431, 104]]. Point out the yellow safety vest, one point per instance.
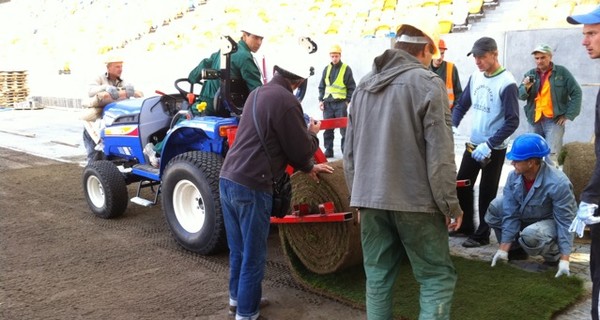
[[337, 89]]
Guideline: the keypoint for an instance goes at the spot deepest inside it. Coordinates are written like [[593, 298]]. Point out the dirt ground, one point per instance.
[[58, 261]]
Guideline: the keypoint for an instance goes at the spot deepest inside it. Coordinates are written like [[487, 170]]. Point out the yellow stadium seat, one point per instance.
[[475, 6], [445, 26]]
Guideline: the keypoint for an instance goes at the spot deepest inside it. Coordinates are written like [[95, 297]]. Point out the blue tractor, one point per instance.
[[187, 178]]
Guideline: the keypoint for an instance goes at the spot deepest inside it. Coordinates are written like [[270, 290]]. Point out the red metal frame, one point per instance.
[[301, 213]]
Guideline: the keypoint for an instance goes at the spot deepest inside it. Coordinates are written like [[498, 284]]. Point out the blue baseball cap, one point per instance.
[[588, 18]]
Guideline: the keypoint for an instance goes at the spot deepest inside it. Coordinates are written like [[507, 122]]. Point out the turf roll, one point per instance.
[[326, 247]]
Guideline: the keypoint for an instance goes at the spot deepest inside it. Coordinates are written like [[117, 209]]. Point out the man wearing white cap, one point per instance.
[[590, 197], [399, 134], [244, 72], [106, 88], [553, 96]]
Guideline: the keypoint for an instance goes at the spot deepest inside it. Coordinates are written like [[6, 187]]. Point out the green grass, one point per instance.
[[482, 292]]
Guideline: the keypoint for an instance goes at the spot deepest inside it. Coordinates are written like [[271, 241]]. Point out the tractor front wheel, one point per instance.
[[191, 203]]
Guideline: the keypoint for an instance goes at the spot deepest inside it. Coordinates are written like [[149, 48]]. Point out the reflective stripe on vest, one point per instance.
[[449, 83], [337, 90]]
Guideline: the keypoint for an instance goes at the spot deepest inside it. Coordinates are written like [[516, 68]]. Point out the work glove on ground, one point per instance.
[[563, 268], [585, 215], [481, 152], [113, 91], [129, 90], [500, 255]]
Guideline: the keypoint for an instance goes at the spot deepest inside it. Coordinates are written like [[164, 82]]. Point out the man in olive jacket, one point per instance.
[[553, 96]]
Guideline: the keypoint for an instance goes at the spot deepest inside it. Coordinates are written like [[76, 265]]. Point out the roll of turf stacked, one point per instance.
[[578, 160], [326, 247]]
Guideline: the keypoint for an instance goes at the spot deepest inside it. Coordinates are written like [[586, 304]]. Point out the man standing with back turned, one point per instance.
[[590, 197], [407, 197]]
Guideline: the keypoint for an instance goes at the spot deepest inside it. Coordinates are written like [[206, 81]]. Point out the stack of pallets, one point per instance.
[[14, 90]]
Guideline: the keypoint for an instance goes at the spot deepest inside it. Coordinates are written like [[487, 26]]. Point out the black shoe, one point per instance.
[[472, 243], [517, 254], [551, 263], [328, 153], [457, 234]]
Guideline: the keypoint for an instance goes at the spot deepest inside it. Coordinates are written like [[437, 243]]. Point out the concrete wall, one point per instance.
[[515, 54]]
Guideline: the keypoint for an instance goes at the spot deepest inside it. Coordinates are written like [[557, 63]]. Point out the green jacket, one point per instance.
[[564, 90], [243, 67]]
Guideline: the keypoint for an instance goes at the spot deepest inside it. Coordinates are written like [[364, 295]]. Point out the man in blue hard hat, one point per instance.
[[537, 206]]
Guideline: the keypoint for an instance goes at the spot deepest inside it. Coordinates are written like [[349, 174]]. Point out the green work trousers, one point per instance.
[[390, 236]]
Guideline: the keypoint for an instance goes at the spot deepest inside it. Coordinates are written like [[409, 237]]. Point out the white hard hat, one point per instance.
[[429, 27], [295, 60], [255, 26]]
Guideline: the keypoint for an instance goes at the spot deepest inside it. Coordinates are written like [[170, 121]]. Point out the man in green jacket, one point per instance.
[[244, 72], [553, 96]]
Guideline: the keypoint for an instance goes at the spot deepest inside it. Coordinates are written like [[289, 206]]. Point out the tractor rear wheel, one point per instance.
[[191, 202]]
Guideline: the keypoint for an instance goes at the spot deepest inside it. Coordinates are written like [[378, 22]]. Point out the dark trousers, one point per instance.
[[488, 188], [334, 109], [595, 268]]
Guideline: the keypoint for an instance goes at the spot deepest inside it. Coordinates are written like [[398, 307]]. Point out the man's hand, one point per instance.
[[481, 152], [113, 91], [500, 255], [129, 90], [563, 268], [319, 168], [585, 215], [321, 105], [454, 224], [561, 120], [314, 125]]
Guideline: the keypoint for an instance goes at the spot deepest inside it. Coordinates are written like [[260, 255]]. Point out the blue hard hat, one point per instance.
[[527, 146]]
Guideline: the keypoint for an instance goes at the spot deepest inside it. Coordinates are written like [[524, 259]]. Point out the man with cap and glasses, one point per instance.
[[400, 117], [448, 72], [553, 96], [492, 96], [590, 197]]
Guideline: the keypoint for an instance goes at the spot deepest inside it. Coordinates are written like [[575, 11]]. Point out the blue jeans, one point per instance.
[[553, 133], [387, 238], [247, 216], [334, 109], [89, 145]]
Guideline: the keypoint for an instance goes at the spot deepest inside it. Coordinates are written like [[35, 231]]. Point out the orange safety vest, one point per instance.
[[543, 101], [449, 83]]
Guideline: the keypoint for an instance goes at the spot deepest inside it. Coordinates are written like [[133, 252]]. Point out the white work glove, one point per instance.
[[500, 255], [454, 130], [113, 91], [585, 215], [129, 90], [563, 268], [481, 152]]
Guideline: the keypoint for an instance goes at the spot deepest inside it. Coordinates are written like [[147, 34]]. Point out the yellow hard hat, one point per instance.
[[335, 49], [429, 28]]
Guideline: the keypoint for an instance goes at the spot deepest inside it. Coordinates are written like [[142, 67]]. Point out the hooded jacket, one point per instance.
[[399, 151]]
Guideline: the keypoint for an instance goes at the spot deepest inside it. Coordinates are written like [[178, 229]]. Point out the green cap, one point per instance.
[[542, 48]]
